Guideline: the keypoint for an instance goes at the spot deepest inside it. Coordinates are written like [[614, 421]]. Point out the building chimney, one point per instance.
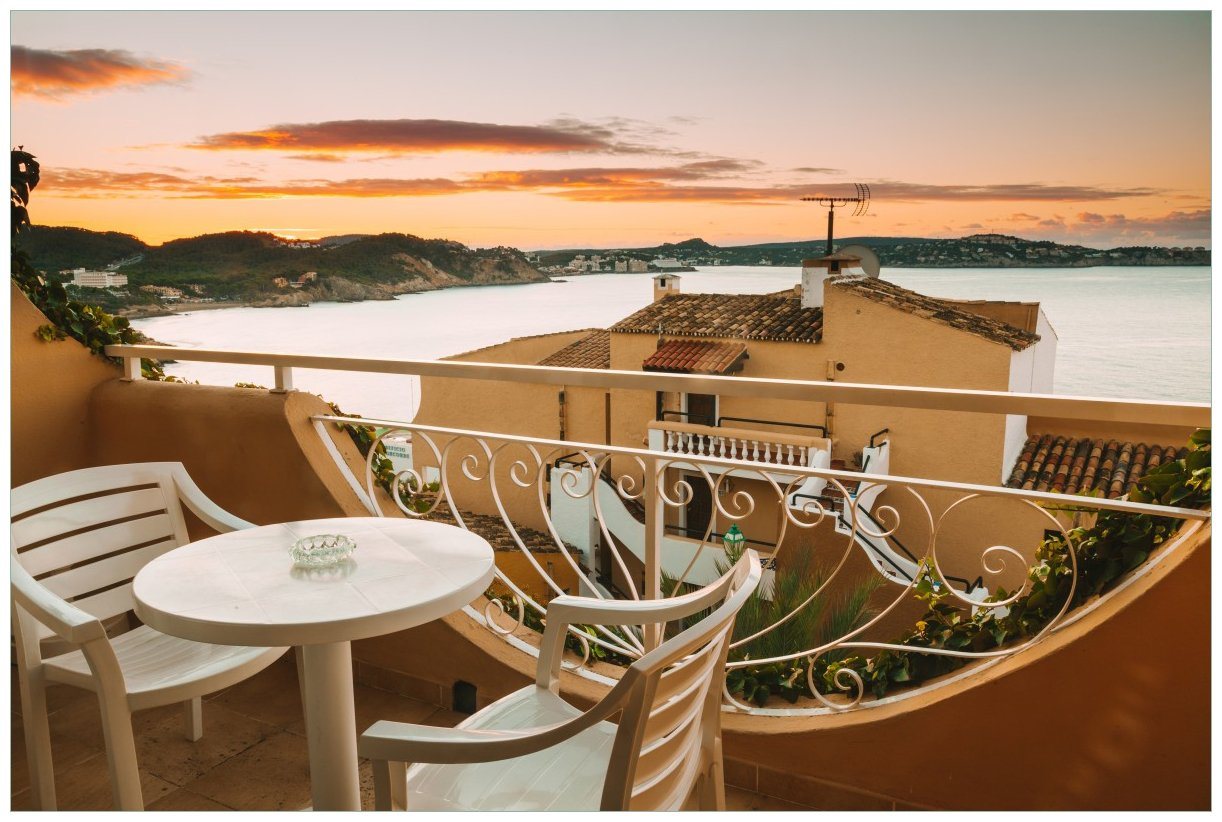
[[815, 273], [664, 285]]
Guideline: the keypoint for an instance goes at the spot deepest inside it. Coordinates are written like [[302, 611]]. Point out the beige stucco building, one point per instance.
[[836, 325]]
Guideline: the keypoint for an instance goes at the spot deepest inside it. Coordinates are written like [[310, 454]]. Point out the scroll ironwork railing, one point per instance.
[[576, 498], [514, 472]]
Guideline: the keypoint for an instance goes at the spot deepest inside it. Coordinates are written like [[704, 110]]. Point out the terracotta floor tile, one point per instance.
[[269, 696], [58, 696], [163, 750], [76, 735], [373, 704], [739, 800], [86, 787], [272, 775], [185, 800], [443, 718]]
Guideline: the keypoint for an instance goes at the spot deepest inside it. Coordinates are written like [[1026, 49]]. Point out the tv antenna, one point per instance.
[[861, 203]]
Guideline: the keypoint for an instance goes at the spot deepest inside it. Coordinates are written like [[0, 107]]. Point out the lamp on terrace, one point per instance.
[[733, 540]]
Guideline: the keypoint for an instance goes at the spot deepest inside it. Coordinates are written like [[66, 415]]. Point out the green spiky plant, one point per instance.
[[837, 611]]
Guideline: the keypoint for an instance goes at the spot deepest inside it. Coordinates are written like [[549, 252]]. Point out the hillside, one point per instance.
[[264, 269], [975, 251], [56, 248]]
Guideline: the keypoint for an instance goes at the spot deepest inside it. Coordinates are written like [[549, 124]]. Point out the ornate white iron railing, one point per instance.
[[580, 502], [500, 468]]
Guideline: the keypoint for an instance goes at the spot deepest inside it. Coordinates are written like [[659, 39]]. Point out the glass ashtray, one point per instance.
[[322, 550]]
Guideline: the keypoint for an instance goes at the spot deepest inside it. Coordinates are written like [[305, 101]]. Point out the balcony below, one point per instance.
[[769, 448]]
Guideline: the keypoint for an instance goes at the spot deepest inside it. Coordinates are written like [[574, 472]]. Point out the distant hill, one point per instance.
[[58, 248], [245, 265], [974, 251]]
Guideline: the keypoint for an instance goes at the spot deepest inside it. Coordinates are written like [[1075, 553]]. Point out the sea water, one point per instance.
[[1137, 333]]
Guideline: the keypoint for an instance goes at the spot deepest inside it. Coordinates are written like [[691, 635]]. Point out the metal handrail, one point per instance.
[[820, 428], [688, 532], [688, 414]]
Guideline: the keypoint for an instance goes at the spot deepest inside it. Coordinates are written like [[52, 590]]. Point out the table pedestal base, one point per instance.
[[330, 714]]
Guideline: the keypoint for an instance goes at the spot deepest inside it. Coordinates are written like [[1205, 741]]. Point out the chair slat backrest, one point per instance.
[[84, 534], [673, 710]]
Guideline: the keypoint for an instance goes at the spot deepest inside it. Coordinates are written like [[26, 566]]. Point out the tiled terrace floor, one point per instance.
[[252, 756]]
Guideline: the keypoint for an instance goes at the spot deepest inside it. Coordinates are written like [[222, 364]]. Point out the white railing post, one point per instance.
[[655, 520], [131, 369], [284, 379]]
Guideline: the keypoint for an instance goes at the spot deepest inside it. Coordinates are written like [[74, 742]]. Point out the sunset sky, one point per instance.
[[550, 130]]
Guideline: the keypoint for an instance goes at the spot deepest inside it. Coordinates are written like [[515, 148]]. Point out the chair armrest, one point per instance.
[[213, 515], [567, 610], [65, 619], [404, 742]]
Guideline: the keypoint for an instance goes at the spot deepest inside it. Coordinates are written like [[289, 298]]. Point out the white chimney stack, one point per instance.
[[815, 273], [664, 285]]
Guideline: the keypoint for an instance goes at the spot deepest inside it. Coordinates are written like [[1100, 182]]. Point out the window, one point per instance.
[[701, 409]]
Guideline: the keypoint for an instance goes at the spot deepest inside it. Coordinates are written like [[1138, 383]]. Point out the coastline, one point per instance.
[[389, 294], [558, 277]]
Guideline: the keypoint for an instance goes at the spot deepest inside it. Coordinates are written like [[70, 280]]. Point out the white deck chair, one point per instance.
[[78, 539], [533, 751]]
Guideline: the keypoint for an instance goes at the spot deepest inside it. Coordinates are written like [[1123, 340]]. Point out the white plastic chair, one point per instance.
[[533, 751], [78, 539]]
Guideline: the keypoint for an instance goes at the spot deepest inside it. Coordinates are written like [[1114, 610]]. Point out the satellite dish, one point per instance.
[[869, 260]]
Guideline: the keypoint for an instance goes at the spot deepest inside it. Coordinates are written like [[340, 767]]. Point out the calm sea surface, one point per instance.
[[1141, 333]]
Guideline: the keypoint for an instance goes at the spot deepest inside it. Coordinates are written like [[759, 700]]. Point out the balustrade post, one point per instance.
[[655, 516], [131, 369], [284, 379]]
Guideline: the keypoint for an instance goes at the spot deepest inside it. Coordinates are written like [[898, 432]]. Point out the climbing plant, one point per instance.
[[88, 324], [1105, 552]]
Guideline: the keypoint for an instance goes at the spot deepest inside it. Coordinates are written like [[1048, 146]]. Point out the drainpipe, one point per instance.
[[830, 407]]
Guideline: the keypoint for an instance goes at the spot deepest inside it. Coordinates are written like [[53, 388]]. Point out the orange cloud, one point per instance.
[[686, 182], [55, 74], [652, 190], [610, 177], [402, 136], [87, 183]]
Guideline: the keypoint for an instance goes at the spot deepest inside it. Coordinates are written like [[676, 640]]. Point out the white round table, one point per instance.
[[241, 588]]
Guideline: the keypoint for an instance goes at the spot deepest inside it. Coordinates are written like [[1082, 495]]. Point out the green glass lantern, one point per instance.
[[733, 540]]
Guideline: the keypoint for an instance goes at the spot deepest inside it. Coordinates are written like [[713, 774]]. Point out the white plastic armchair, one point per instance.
[[77, 540], [532, 750]]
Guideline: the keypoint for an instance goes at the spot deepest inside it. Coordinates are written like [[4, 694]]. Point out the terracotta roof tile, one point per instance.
[[741, 316], [591, 351], [696, 357], [1068, 465], [939, 311]]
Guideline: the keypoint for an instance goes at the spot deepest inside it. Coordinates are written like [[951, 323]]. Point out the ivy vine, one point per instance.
[[1115, 545], [88, 324]]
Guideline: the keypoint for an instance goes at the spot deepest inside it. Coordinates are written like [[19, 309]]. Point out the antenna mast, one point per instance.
[[861, 203]]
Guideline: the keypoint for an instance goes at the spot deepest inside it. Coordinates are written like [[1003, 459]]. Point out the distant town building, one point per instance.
[[667, 262], [992, 239], [165, 292], [97, 279], [281, 282]]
